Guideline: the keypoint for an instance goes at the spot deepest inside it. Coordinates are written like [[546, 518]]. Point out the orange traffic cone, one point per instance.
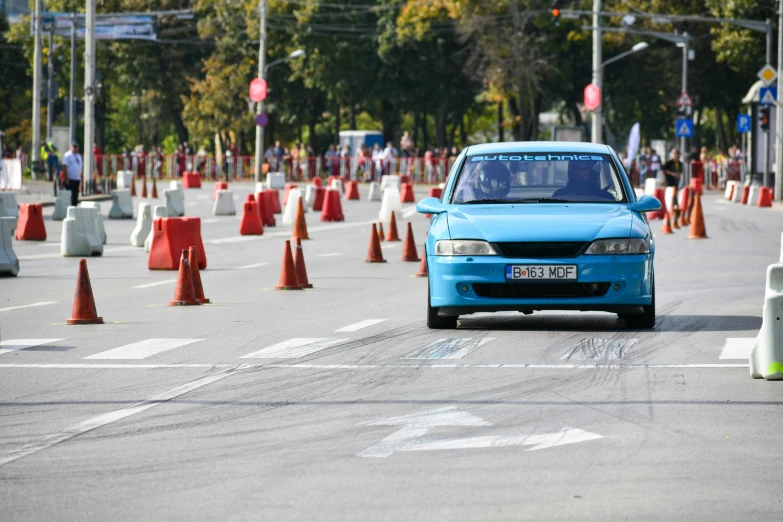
[[697, 231], [154, 194], [423, 272], [84, 311], [380, 232], [300, 225], [299, 265], [392, 235], [409, 253], [195, 272], [184, 294], [288, 280], [144, 187], [675, 218], [133, 187], [374, 253], [667, 225]]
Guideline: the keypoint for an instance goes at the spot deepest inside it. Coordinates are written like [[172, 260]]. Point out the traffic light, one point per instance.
[[556, 12], [764, 117]]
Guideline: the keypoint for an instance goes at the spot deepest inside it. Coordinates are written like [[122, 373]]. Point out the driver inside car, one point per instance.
[[584, 178], [492, 180]]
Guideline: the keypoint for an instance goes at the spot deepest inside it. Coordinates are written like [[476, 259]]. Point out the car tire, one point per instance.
[[435, 321], [643, 321]]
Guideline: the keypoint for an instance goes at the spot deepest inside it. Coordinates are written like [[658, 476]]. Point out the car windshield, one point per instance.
[[539, 177]]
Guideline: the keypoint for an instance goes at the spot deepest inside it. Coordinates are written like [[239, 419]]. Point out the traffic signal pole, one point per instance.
[[598, 74], [36, 152], [260, 106], [778, 113]]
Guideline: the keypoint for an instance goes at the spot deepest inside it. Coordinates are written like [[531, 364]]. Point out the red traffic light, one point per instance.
[[555, 13]]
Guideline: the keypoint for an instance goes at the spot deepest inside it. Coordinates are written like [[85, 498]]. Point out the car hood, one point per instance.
[[540, 222]]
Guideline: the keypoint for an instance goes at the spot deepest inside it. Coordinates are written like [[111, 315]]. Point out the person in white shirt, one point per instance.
[[72, 165]]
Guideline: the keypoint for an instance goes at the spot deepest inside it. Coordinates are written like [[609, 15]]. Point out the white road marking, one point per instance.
[[115, 366], [330, 255], [391, 244], [737, 348], [408, 212], [42, 303], [11, 345], [156, 283], [358, 326], [111, 250], [566, 435], [449, 348], [293, 348], [256, 265], [143, 349], [50, 245], [113, 416], [203, 196], [287, 233], [599, 349], [207, 221], [437, 366]]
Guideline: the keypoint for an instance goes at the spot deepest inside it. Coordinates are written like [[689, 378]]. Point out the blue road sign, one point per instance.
[[683, 128], [262, 120], [768, 95], [743, 123]]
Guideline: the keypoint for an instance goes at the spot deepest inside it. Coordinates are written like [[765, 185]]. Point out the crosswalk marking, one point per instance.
[[737, 348], [449, 348], [42, 303], [294, 348], [143, 349], [11, 345], [358, 326], [156, 283], [599, 349]]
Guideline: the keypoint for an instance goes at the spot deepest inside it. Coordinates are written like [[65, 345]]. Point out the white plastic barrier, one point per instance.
[[177, 185], [737, 198], [650, 184], [766, 356], [375, 192], [10, 174], [309, 196], [337, 184], [275, 180], [61, 205], [224, 204], [668, 197], [391, 201], [100, 227], [9, 263], [730, 185], [124, 179], [79, 235], [175, 204], [143, 225], [160, 211], [121, 204], [753, 194], [781, 248], [291, 206], [8, 206]]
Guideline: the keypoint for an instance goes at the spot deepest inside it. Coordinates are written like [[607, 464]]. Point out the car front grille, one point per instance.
[[541, 250], [540, 290]]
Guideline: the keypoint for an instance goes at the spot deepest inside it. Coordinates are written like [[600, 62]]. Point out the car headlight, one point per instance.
[[463, 247], [613, 247]]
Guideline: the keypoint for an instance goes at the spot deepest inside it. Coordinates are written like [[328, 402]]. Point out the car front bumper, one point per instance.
[[462, 285]]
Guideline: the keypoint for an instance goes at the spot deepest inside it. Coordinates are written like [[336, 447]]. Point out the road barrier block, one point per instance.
[[765, 197], [121, 204], [766, 356], [309, 196], [697, 185], [159, 211], [353, 191], [337, 184], [172, 235], [143, 225], [736, 195], [191, 180], [265, 208], [275, 199], [660, 194], [389, 203], [286, 190], [175, 205], [318, 198], [8, 206], [275, 180], [375, 191], [332, 207], [391, 181], [670, 193], [289, 215], [436, 192], [406, 195], [99, 224], [79, 235], [729, 193], [124, 179], [9, 263], [31, 223], [650, 184], [61, 205], [224, 204], [220, 185]]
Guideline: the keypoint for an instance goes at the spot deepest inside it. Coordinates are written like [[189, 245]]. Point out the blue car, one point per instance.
[[539, 226]]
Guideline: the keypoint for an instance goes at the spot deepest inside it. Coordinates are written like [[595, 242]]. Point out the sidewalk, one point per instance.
[[43, 192]]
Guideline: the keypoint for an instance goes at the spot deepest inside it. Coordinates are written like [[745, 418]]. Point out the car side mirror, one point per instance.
[[646, 204], [430, 206]]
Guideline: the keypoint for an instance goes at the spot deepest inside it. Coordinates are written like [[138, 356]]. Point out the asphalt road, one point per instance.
[[337, 403]]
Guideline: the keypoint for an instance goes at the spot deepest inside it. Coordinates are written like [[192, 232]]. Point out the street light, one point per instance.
[[641, 46], [296, 54]]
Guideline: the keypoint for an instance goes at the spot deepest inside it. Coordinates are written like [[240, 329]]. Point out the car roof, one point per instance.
[[538, 146]]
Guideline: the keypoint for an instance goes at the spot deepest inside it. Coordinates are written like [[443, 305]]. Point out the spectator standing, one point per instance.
[[180, 159], [97, 155], [389, 154], [201, 159], [49, 155], [406, 145], [377, 156], [278, 154], [672, 171], [72, 165], [655, 164], [329, 156], [126, 158], [294, 161]]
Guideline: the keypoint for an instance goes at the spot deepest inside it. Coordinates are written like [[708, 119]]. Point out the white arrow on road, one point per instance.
[[415, 426]]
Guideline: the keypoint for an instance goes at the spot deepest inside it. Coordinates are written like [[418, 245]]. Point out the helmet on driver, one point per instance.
[[494, 179], [584, 174]]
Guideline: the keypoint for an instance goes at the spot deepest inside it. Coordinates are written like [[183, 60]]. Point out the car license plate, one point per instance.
[[565, 272]]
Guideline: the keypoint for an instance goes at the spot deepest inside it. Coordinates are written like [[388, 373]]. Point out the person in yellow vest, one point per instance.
[[49, 155]]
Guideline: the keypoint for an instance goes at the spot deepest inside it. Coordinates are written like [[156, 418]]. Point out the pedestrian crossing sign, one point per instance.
[[683, 128], [768, 95]]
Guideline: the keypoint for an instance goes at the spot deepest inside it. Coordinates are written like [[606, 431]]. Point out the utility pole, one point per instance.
[[36, 152], [89, 91], [260, 106], [50, 86], [71, 97], [684, 141], [778, 113], [598, 74]]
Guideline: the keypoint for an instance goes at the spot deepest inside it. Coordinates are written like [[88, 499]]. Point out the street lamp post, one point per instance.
[[641, 46], [598, 73]]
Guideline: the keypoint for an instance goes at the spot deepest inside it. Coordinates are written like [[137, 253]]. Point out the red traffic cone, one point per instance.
[[697, 230], [423, 272], [84, 311], [154, 194], [380, 233], [675, 219], [184, 294], [288, 280], [392, 235], [374, 253], [300, 225], [299, 265], [409, 253], [353, 190], [144, 187], [195, 272], [667, 225]]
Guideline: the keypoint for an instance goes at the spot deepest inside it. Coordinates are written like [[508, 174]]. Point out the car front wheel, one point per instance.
[[436, 322], [645, 320]]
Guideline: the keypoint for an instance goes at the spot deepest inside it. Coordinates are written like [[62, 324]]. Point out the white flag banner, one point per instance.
[[634, 139]]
